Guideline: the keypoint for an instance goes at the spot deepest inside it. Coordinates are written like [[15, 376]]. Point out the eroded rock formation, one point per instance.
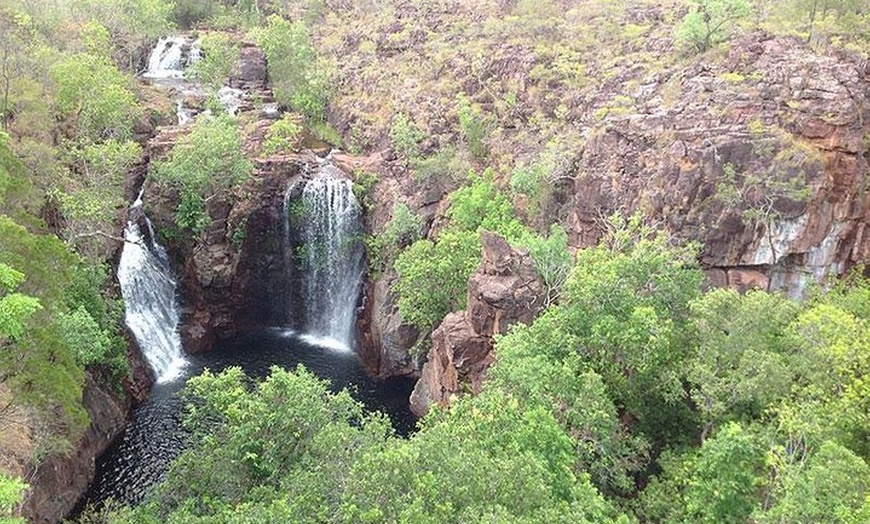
[[502, 292], [762, 158]]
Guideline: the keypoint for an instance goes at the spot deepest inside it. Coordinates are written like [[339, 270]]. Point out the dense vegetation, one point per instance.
[[633, 397], [636, 398]]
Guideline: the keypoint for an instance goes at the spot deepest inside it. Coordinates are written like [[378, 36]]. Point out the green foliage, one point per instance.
[[540, 365], [364, 183], [485, 456], [552, 259], [83, 336], [832, 486], [406, 137], [742, 362], [284, 447], [473, 125], [629, 296], [94, 192], [714, 484], [290, 451], [283, 135], [92, 97], [11, 494], [299, 78], [447, 164], [710, 22], [15, 308], [37, 366], [206, 164], [404, 228], [220, 52], [433, 276], [481, 206]]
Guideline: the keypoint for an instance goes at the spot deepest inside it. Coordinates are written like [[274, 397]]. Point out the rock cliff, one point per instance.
[[503, 291], [762, 157]]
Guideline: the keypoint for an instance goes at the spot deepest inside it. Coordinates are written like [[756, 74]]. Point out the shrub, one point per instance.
[[299, 79], [283, 135], [205, 164], [709, 22], [480, 205], [433, 276], [219, 55], [473, 125], [406, 137]]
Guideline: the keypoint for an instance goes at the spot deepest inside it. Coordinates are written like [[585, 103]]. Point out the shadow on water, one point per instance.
[[153, 437]]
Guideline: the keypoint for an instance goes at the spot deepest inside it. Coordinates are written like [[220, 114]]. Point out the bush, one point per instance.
[[473, 125], [480, 205], [709, 22], [433, 276], [404, 228], [299, 79], [219, 55], [406, 137], [205, 164], [282, 135]]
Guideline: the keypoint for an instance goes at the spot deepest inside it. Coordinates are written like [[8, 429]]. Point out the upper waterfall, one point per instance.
[[167, 59], [331, 256], [149, 302]]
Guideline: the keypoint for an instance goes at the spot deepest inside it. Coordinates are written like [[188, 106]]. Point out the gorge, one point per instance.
[[543, 261]]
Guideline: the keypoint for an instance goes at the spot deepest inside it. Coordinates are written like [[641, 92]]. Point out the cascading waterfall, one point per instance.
[[331, 256], [149, 301], [167, 59]]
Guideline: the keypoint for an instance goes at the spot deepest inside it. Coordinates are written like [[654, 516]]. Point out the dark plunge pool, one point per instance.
[[153, 437]]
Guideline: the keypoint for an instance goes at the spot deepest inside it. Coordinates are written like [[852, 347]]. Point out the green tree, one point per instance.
[[481, 206], [484, 456], [717, 483], [540, 365], [709, 22], [298, 76], [742, 364], [15, 308], [552, 258], [283, 135], [433, 276], [92, 97], [205, 165], [628, 302], [831, 486], [219, 55], [406, 137]]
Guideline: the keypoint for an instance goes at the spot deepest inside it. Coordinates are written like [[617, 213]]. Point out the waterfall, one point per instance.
[[331, 256], [149, 301], [167, 59]]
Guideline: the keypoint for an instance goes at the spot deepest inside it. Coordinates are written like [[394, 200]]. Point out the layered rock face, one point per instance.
[[228, 276], [502, 292], [762, 158], [58, 483]]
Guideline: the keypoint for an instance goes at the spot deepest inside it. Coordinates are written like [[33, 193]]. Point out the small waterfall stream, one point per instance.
[[151, 311], [330, 256]]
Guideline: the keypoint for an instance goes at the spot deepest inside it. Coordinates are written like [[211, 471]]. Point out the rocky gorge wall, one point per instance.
[[759, 155]]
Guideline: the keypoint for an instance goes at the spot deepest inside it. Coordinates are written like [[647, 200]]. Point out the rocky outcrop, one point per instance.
[[502, 292], [762, 158], [61, 479]]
